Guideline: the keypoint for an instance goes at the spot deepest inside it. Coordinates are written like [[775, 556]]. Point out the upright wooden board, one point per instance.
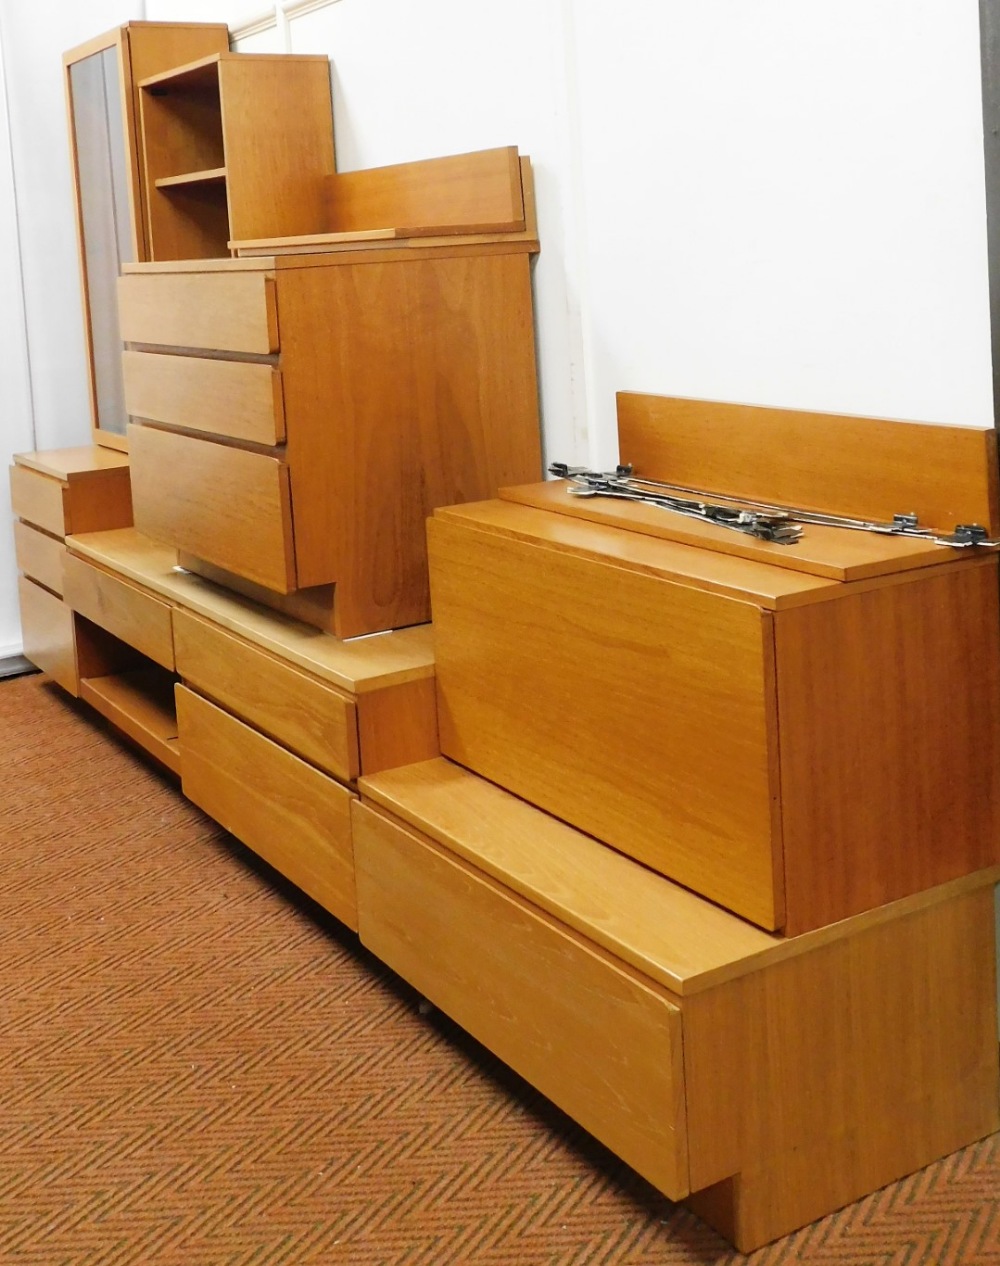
[[865, 467]]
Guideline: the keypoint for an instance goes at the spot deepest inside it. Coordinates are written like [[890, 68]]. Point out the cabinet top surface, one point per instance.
[[775, 576], [194, 72], [356, 665], [69, 463]]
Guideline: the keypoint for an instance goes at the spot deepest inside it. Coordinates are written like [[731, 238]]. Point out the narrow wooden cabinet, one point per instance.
[[102, 100], [54, 493]]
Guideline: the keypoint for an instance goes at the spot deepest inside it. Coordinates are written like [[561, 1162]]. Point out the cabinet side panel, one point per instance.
[[408, 385], [829, 1075], [889, 707], [631, 707]]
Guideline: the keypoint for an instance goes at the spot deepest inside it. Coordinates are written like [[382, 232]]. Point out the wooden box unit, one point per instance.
[[274, 720], [767, 1080], [237, 145], [111, 204], [796, 746], [320, 409], [54, 493]]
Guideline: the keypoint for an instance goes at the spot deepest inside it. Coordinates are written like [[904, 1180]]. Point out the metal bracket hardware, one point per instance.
[[767, 522]]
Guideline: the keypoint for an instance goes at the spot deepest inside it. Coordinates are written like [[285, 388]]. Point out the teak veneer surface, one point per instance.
[[682, 941], [224, 502], [359, 666], [70, 464], [686, 676], [39, 556], [598, 1039], [864, 467], [833, 553], [195, 306], [238, 399], [729, 576]]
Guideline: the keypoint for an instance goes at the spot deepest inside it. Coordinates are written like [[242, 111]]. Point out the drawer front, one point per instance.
[[238, 399], [226, 312], [601, 1043], [638, 710], [39, 556], [311, 718], [39, 500], [225, 505], [137, 618], [293, 816], [47, 634]]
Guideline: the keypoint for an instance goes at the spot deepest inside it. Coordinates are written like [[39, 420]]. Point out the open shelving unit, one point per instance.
[[236, 146]]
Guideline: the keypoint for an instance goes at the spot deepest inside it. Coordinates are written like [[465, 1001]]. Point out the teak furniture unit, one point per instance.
[[102, 99], [797, 749], [53, 494], [273, 721], [800, 733], [299, 416], [766, 1080], [813, 745], [237, 145]]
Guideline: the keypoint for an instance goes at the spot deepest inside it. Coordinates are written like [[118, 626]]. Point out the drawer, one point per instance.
[[293, 816], [222, 504], [238, 399], [314, 720], [47, 634], [230, 312], [136, 617], [599, 1041], [39, 556], [40, 500]]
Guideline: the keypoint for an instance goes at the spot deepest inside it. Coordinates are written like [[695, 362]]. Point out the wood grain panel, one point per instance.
[[307, 716], [827, 1076], [137, 618], [224, 504], [599, 1041], [860, 466], [39, 556], [889, 716], [275, 176], [39, 500], [667, 933], [293, 816], [425, 395], [238, 399], [47, 634], [477, 192], [635, 709], [215, 311], [397, 725], [822, 551]]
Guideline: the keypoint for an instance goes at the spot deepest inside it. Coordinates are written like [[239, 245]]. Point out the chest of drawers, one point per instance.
[[296, 418]]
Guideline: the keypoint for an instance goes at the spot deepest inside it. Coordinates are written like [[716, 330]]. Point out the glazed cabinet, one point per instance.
[[101, 94]]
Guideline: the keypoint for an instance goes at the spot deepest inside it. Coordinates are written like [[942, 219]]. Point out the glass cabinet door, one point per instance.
[[102, 159]]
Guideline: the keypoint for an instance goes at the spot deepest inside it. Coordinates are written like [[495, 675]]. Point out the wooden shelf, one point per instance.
[[141, 704], [214, 175]]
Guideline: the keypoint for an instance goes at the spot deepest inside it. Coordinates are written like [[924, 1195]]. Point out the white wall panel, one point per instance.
[[785, 205]]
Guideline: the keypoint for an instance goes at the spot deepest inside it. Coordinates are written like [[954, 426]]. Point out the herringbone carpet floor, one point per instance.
[[199, 1068]]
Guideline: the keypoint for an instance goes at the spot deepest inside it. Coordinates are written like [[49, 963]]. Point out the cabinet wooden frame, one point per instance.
[[133, 51]]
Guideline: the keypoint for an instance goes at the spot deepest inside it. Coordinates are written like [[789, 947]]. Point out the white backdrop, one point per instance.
[[778, 203]]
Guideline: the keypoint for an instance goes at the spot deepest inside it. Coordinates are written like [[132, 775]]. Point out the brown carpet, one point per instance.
[[199, 1067]]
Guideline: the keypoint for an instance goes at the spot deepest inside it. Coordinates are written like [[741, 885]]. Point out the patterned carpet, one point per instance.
[[199, 1068]]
